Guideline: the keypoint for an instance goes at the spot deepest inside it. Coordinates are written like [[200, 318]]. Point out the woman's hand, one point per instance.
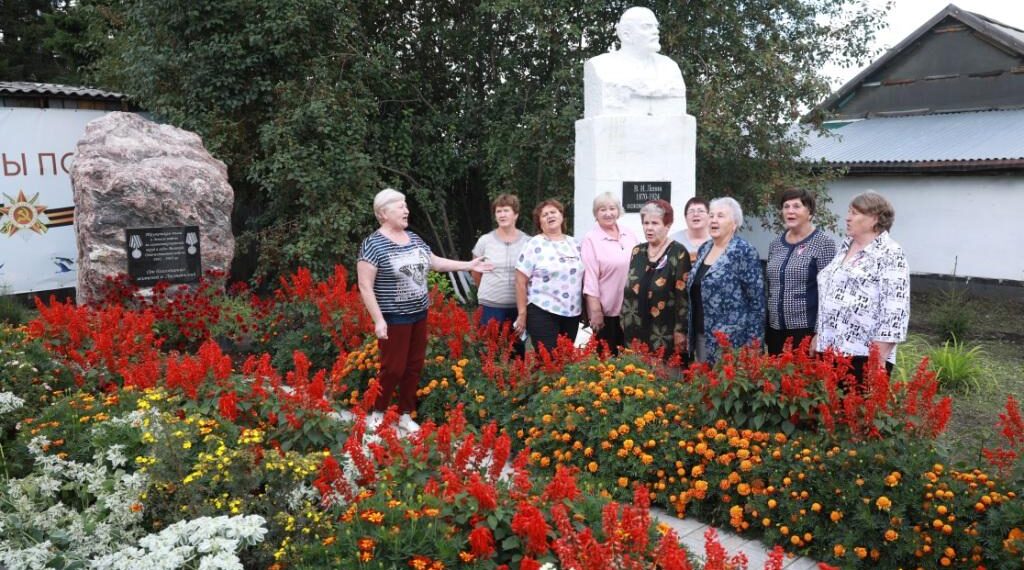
[[519, 326], [481, 265], [680, 340], [596, 319], [381, 329], [813, 347]]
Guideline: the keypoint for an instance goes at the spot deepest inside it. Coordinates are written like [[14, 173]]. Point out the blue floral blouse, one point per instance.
[[732, 293]]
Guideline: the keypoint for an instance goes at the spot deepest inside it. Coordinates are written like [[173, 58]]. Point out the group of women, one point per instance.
[[675, 292]]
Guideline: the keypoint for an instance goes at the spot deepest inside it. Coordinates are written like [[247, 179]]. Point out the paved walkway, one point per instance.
[[691, 534]]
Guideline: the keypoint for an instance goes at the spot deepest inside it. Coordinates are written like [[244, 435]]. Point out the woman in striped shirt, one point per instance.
[[392, 271]]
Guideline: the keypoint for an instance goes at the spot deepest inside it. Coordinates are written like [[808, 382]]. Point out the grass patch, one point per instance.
[[997, 331]]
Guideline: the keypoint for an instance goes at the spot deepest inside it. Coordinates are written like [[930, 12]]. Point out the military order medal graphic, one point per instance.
[[23, 213]]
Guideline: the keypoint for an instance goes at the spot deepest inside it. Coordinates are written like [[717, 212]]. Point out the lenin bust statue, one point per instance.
[[635, 80]]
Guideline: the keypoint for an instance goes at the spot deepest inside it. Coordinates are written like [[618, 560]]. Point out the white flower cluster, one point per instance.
[[37, 527], [206, 543], [9, 402]]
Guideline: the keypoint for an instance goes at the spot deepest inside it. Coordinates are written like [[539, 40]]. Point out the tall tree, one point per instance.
[[24, 30], [315, 105]]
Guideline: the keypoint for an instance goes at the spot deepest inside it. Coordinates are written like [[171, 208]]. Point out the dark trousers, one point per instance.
[[859, 365], [611, 333], [774, 339], [401, 364], [502, 316], [544, 327]]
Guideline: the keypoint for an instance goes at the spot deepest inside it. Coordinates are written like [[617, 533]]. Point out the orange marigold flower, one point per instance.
[[883, 503]]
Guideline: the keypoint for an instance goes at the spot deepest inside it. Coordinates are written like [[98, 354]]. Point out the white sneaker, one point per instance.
[[374, 420], [408, 424]]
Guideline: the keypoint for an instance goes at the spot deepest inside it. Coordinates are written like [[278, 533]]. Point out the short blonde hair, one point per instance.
[[383, 199], [872, 203], [607, 199]]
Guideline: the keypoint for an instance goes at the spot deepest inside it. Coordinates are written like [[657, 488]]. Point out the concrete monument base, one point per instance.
[[644, 150]]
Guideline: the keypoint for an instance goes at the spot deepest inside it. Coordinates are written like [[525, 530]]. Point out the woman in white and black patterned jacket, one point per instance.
[[794, 260], [864, 294]]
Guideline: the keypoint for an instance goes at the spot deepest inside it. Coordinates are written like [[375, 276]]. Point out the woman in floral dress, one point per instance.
[[654, 301]]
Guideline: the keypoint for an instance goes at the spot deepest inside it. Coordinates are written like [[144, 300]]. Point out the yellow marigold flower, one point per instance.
[[891, 535], [628, 444], [861, 552], [592, 467], [623, 482], [839, 550]]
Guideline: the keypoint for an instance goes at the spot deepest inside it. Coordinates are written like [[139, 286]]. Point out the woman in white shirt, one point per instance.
[[864, 294], [549, 280]]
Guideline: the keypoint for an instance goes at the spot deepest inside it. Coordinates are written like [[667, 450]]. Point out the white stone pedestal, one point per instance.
[[611, 150]]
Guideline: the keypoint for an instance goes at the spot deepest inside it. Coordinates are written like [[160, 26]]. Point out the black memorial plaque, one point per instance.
[[636, 194], [163, 254]]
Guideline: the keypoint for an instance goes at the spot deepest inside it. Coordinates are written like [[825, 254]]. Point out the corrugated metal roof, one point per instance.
[[1011, 31], [972, 136], [53, 89]]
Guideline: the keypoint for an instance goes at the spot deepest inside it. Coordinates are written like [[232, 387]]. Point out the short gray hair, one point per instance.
[[607, 199], [658, 208], [732, 204], [383, 198]]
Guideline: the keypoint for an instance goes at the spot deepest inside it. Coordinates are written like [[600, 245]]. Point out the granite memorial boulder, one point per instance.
[[134, 176]]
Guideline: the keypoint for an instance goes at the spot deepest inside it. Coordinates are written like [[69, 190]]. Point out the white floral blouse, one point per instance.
[[864, 300]]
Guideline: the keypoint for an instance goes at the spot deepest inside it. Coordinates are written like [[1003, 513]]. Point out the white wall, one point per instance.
[[974, 224]]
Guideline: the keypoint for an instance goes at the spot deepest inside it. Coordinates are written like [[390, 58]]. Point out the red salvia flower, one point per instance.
[[562, 485], [481, 542], [528, 523], [228, 405], [485, 494]]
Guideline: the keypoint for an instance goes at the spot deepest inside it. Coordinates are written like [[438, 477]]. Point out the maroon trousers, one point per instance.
[[401, 364]]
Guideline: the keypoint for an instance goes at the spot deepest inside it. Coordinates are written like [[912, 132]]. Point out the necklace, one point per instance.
[[660, 250]]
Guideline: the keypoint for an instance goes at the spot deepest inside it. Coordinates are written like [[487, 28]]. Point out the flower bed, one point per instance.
[[780, 448]]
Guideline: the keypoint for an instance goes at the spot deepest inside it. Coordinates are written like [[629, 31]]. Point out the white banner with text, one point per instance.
[[37, 213]]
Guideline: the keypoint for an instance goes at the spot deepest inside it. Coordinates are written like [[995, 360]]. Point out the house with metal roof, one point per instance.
[[937, 125]]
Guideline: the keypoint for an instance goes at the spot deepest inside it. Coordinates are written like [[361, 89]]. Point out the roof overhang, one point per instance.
[[999, 34]]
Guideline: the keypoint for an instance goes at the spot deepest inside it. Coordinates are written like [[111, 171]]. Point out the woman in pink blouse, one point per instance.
[[606, 250], [864, 294]]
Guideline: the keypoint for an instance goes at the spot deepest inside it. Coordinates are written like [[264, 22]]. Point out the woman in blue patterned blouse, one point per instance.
[[726, 287], [794, 259]]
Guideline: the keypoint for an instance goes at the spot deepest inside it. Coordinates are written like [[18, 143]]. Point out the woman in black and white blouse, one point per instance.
[[864, 294], [794, 260]]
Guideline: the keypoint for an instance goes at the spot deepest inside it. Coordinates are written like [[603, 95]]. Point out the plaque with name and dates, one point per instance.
[[636, 194], [163, 254]]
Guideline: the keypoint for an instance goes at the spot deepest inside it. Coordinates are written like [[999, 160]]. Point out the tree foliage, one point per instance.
[[315, 105], [26, 30]]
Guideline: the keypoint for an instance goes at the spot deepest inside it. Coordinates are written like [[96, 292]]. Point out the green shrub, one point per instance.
[[955, 314], [908, 356], [959, 368], [12, 311]]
